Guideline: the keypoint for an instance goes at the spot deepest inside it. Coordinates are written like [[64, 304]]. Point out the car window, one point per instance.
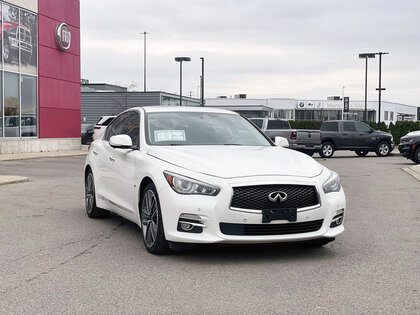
[[106, 122], [258, 122], [278, 124], [116, 126], [132, 128], [362, 127], [348, 126], [329, 126], [195, 128]]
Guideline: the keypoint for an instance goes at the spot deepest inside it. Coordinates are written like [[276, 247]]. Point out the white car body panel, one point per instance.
[[118, 184]]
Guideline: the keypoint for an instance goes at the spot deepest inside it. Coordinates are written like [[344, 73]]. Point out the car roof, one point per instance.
[[160, 109]]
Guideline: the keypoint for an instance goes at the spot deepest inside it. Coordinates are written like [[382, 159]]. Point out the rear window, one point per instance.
[[348, 126], [105, 122], [329, 126], [258, 122], [278, 124]]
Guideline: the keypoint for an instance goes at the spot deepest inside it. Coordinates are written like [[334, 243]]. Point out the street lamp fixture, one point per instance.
[[380, 89], [366, 56], [202, 82], [181, 60], [144, 59]]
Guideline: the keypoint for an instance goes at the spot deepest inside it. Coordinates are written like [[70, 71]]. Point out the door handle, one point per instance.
[[95, 152], [344, 134], [111, 159]]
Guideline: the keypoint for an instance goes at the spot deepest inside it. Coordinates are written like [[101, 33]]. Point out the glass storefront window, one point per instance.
[[19, 46], [28, 42], [1, 105], [11, 104], [28, 106], [10, 40]]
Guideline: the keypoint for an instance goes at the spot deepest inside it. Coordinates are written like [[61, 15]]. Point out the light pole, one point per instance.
[[380, 89], [144, 59], [180, 60], [366, 56], [202, 81]]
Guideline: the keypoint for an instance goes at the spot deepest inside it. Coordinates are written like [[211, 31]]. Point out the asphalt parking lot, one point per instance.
[[55, 260]]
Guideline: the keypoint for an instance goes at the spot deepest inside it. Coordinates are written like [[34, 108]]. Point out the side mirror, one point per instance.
[[281, 142], [121, 142]]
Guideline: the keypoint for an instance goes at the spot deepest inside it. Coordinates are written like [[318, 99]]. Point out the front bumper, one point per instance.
[[304, 147], [405, 150], [213, 211]]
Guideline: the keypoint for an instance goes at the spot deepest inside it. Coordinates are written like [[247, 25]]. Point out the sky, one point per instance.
[[302, 49]]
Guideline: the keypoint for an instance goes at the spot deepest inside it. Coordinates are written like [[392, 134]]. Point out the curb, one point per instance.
[[6, 179], [29, 156], [413, 171]]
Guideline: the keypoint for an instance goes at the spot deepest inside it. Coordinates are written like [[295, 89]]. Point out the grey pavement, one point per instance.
[[55, 260]]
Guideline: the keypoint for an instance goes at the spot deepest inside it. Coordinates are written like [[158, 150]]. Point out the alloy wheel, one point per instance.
[[327, 150], [89, 193], [383, 149], [149, 218]]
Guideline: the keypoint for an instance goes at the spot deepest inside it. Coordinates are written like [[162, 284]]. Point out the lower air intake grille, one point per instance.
[[270, 229]]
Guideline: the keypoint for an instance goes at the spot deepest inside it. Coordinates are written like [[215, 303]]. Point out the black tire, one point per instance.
[[383, 149], [327, 150], [309, 152], [319, 242], [416, 156], [362, 152], [90, 199], [151, 222]]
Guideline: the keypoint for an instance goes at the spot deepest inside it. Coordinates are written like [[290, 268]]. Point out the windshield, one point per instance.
[[192, 128]]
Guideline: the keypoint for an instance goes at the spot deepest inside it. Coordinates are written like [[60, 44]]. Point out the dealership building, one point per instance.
[[40, 76], [330, 109]]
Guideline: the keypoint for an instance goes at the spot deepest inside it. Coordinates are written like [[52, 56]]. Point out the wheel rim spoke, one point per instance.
[[149, 218]]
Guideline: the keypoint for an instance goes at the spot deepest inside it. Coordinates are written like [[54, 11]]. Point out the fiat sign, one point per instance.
[[63, 36]]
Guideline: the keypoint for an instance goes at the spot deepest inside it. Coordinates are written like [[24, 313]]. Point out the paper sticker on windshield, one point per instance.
[[169, 135]]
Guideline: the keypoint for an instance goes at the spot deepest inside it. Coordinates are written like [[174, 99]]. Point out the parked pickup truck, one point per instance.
[[307, 141], [354, 136], [410, 146]]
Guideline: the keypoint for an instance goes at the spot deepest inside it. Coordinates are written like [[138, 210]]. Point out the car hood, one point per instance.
[[412, 134], [382, 133], [238, 161]]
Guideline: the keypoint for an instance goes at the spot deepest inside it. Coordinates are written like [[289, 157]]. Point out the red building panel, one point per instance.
[[59, 123], [57, 64], [61, 94], [58, 71], [67, 11], [47, 37]]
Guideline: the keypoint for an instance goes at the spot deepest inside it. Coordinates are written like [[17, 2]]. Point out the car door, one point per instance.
[[349, 135], [102, 151], [122, 166], [364, 134]]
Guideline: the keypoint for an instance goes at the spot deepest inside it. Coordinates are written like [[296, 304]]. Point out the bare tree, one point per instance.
[[120, 99]]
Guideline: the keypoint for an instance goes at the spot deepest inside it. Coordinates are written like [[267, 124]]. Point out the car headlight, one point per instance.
[[410, 140], [188, 186], [332, 184]]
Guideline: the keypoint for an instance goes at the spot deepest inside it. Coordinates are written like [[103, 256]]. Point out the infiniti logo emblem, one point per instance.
[[279, 196]]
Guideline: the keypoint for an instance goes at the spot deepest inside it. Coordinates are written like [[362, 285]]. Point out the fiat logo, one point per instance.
[[279, 196], [63, 36]]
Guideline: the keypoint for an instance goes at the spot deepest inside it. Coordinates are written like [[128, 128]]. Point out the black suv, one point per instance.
[[410, 146], [355, 136]]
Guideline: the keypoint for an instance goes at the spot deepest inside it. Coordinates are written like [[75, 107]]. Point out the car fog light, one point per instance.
[[337, 219], [186, 226]]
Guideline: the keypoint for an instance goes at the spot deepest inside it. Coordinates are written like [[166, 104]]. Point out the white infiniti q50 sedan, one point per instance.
[[200, 175]]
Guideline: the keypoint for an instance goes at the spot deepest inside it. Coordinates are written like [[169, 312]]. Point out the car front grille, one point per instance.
[[256, 197], [270, 229]]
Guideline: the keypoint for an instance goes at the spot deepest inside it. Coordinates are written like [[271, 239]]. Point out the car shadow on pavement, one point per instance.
[[254, 252], [216, 253]]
